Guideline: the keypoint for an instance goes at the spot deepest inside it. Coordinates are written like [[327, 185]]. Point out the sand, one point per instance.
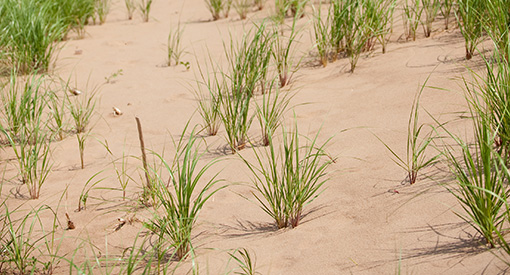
[[358, 224]]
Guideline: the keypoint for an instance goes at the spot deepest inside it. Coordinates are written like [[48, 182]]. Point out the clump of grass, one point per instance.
[[174, 46], [130, 8], [249, 62], [102, 10], [82, 108], [75, 14], [497, 25], [28, 133], [87, 187], [270, 112], [283, 53], [321, 29], [481, 178], [244, 260], [28, 36], [57, 113], [19, 242], [417, 144], [352, 27], [493, 89], [145, 9], [242, 7], [286, 180], [411, 17], [470, 21], [430, 8], [216, 7], [259, 4], [208, 98], [446, 9], [180, 200], [384, 22]]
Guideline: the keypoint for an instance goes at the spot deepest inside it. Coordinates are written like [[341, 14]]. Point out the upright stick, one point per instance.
[[142, 147]]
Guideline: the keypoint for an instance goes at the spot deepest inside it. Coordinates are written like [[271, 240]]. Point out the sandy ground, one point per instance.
[[357, 225]]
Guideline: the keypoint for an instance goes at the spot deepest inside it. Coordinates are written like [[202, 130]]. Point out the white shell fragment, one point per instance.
[[117, 111], [74, 91]]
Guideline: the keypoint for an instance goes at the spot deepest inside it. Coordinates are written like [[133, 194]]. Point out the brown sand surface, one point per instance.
[[357, 225]]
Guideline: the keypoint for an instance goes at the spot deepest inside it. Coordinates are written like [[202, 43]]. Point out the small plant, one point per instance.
[[430, 9], [102, 10], [259, 4], [357, 32], [411, 18], [282, 51], [290, 178], [28, 36], [174, 46], [19, 242], [470, 21], [215, 7], [446, 10], [245, 263], [249, 62], [242, 7], [270, 113], [28, 134], [130, 8], [481, 177], [145, 9], [111, 78], [121, 171], [208, 98], [89, 185], [58, 107], [497, 26], [322, 30], [297, 7], [281, 9], [417, 144], [180, 200], [385, 10], [82, 108]]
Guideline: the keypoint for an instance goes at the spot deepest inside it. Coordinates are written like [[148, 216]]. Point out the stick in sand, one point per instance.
[[142, 147]]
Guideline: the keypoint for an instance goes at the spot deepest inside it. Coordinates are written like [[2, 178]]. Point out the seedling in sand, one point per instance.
[[180, 200], [446, 10], [130, 8], [20, 243], [270, 112], [244, 261], [111, 78], [216, 7], [89, 185], [481, 175], [286, 180], [417, 144], [145, 9], [411, 18], [242, 7], [321, 31], [174, 46], [283, 51], [249, 62], [470, 21], [28, 134], [102, 10], [430, 8]]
